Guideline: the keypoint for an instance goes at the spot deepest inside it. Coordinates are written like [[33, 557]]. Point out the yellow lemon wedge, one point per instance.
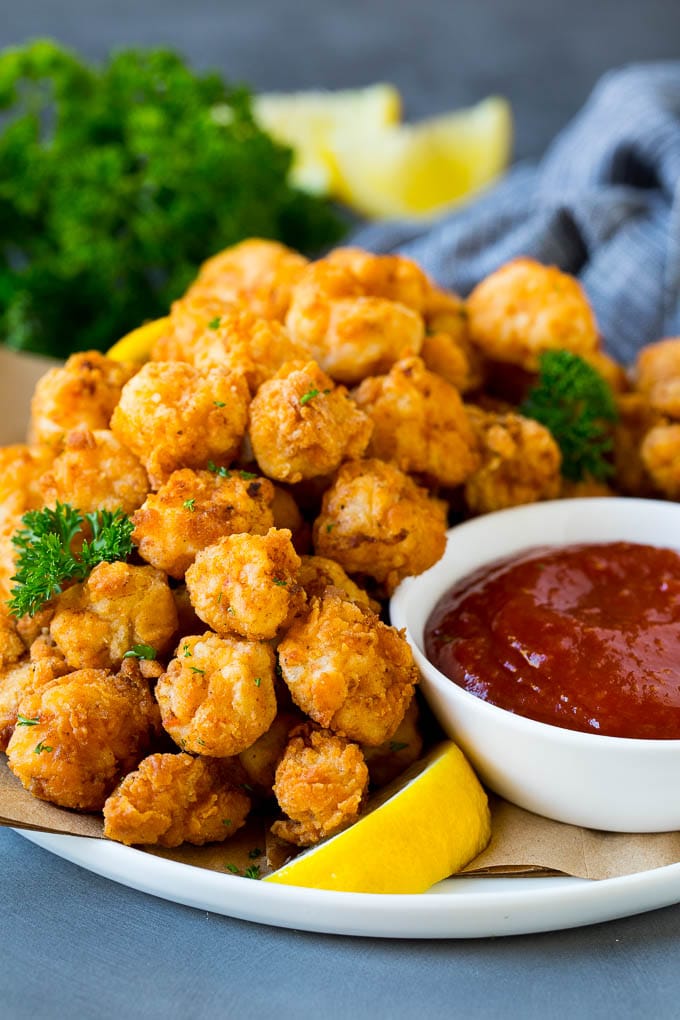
[[136, 346], [307, 121], [428, 824], [419, 170]]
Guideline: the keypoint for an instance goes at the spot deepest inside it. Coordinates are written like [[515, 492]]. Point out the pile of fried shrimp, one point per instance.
[[295, 446]]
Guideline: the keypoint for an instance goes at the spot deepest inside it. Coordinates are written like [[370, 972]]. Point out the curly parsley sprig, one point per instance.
[[47, 558], [577, 405]]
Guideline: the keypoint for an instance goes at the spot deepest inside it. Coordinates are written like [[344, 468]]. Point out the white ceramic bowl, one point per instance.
[[612, 783]]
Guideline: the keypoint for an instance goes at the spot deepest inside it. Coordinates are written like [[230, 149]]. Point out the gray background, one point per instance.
[[74, 945]]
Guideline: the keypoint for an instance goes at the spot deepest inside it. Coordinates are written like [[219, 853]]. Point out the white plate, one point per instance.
[[456, 908]]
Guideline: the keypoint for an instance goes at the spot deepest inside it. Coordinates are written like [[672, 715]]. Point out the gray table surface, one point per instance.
[[75, 945]]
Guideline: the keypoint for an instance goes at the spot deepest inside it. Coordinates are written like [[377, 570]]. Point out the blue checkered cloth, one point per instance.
[[603, 204]]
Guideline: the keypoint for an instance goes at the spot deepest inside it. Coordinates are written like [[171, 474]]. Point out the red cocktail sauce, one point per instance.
[[586, 637]]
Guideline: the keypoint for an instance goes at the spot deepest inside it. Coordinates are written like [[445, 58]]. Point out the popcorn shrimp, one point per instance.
[[246, 584], [171, 416], [303, 426], [525, 308], [317, 573], [660, 454], [447, 348], [174, 798], [419, 423], [347, 670], [119, 606], [320, 784], [350, 333], [375, 520], [194, 509], [520, 462], [94, 472], [656, 374], [82, 394], [92, 727], [217, 695]]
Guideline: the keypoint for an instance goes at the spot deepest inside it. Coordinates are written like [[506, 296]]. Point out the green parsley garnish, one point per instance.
[[254, 853], [186, 649], [214, 323], [117, 179], [234, 870], [222, 472], [247, 476], [329, 528], [189, 504], [253, 871], [219, 403], [42, 746], [226, 821], [195, 669], [280, 582], [309, 395], [46, 560], [22, 720], [576, 404], [257, 681], [141, 652]]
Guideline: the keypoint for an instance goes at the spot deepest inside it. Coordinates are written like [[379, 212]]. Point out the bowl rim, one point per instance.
[[404, 597]]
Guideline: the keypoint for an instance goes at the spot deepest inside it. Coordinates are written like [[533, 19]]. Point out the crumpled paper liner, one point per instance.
[[522, 843]]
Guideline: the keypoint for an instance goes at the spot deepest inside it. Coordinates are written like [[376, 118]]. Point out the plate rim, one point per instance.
[[459, 907]]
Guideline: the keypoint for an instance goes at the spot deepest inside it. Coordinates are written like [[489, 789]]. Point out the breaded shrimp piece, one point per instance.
[[175, 798], [447, 348], [217, 695], [320, 784], [393, 277], [660, 454], [303, 426], [82, 394], [394, 756], [656, 375], [194, 509], [349, 332], [256, 273], [246, 584], [287, 515], [119, 606], [93, 472], [347, 670], [93, 727], [19, 680], [261, 759], [241, 343], [419, 423], [11, 645], [189, 318], [375, 520], [636, 418], [21, 468], [172, 416], [317, 573], [525, 308], [520, 462]]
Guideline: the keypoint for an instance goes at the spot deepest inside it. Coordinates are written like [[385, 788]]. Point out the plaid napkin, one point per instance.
[[603, 204]]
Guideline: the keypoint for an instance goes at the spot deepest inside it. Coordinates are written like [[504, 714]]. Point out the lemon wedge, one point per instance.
[[426, 825], [419, 170], [308, 121], [136, 346]]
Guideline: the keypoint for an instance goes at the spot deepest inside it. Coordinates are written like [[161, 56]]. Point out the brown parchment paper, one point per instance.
[[522, 843]]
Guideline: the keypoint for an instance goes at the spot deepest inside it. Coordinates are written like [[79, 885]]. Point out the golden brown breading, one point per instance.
[[241, 343], [93, 472], [375, 520], [188, 319], [525, 308], [246, 584], [447, 348], [119, 606], [82, 394], [419, 423], [636, 418], [585, 488], [11, 645], [660, 454], [349, 332], [317, 573], [393, 277], [394, 756], [174, 798], [217, 695], [302, 426], [21, 468], [287, 515], [320, 784], [261, 759], [93, 727], [194, 509], [520, 462], [17, 682], [172, 416], [347, 670], [656, 374], [256, 274]]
